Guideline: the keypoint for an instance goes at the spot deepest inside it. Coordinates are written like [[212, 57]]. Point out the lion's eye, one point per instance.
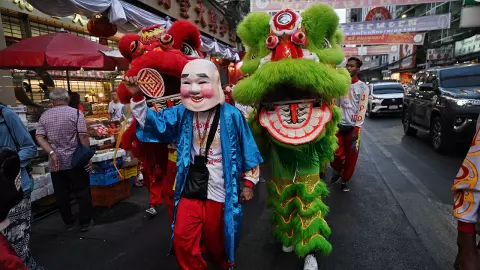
[[254, 55], [188, 50], [326, 44]]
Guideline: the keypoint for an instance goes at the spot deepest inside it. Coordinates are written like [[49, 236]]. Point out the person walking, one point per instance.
[[58, 132], [353, 107], [13, 134]]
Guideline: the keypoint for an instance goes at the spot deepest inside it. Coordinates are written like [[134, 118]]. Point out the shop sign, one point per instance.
[[402, 38], [467, 46], [442, 53], [277, 5], [408, 56], [378, 14], [371, 50], [416, 24]]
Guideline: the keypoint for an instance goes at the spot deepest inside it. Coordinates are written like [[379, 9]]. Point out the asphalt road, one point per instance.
[[396, 216]]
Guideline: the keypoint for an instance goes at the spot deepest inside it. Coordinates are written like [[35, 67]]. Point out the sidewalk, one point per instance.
[[136, 242]]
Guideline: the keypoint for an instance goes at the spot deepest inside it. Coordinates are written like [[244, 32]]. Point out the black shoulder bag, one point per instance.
[[82, 154], [196, 186]]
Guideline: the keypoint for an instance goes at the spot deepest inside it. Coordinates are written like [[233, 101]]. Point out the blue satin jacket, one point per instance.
[[239, 151]]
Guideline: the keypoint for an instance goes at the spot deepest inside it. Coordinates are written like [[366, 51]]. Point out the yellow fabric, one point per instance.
[[119, 140], [172, 156]]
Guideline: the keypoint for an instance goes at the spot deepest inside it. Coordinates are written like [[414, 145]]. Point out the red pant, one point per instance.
[[195, 221], [347, 154], [154, 186], [168, 192]]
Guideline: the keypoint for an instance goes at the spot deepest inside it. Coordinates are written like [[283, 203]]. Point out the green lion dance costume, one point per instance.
[[291, 59]]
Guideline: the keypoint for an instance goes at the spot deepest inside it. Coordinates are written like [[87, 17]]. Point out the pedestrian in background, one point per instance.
[[10, 195], [13, 134], [115, 108], [58, 133], [75, 102]]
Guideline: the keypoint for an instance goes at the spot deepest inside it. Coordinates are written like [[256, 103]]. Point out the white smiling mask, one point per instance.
[[200, 87]]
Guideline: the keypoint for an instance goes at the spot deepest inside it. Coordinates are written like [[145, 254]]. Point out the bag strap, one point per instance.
[[17, 145], [213, 130], [76, 126]]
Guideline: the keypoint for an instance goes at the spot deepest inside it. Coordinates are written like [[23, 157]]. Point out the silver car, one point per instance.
[[385, 98]]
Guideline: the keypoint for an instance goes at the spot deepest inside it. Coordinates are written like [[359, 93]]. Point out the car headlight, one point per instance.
[[376, 100], [462, 102]]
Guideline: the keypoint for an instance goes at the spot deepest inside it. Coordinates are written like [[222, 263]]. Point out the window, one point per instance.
[[12, 29]]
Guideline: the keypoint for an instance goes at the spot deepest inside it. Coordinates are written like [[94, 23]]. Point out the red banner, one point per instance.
[[403, 38], [371, 50]]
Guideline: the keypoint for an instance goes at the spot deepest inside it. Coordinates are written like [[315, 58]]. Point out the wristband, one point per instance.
[[51, 152]]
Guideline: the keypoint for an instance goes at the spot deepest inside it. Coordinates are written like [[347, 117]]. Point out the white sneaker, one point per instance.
[[288, 249], [310, 263], [151, 211]]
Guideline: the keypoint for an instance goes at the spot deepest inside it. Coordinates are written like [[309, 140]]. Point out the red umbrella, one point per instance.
[[59, 51]]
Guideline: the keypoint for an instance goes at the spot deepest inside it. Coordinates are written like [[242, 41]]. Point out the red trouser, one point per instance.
[[168, 188], [198, 220], [347, 154], [153, 182]]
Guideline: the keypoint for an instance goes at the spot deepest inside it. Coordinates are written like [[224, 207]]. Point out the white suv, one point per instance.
[[385, 98]]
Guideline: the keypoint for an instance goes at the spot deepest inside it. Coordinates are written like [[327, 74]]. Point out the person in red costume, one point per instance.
[[10, 195], [227, 90], [167, 52]]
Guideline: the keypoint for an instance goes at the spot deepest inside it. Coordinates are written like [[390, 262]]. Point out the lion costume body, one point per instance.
[[167, 52], [291, 59]]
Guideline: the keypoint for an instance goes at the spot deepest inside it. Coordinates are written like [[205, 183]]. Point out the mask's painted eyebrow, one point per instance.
[[202, 75], [185, 75]]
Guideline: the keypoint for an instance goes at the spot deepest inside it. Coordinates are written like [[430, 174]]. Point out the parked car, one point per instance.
[[385, 98], [444, 102]]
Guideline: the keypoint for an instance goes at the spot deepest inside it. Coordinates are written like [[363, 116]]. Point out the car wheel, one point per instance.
[[438, 136], [409, 131], [369, 112]]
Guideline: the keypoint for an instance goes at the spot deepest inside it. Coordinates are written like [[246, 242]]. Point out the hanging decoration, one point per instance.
[[223, 27], [200, 11], [212, 25], [184, 7], [167, 4], [100, 26]]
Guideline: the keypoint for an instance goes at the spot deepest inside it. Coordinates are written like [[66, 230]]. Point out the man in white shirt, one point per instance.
[[115, 108], [353, 107]]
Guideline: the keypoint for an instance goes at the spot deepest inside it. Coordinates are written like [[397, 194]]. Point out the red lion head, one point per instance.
[[166, 51]]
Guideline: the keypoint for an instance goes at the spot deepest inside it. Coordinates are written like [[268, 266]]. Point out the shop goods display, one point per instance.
[[100, 109], [291, 59], [42, 186]]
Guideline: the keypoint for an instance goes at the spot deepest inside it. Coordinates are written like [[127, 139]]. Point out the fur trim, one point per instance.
[[185, 31], [124, 45], [329, 82]]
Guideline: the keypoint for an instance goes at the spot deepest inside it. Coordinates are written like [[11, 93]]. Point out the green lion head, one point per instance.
[[291, 59]]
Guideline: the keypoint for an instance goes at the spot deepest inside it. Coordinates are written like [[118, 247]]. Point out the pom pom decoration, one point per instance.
[[299, 38], [271, 42]]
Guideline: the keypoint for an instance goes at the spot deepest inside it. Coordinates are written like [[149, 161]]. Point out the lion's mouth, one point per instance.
[[294, 116]]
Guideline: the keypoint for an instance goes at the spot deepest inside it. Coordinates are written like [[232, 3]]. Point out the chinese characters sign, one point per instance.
[[277, 5], [416, 24], [402, 38]]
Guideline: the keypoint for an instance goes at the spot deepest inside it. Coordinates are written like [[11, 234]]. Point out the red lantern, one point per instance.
[[100, 26]]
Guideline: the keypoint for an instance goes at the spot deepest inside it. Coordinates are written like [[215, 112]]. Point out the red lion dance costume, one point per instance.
[[167, 52]]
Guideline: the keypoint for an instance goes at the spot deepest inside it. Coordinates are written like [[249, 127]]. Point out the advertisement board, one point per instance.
[[414, 24], [277, 5], [467, 46], [402, 38]]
